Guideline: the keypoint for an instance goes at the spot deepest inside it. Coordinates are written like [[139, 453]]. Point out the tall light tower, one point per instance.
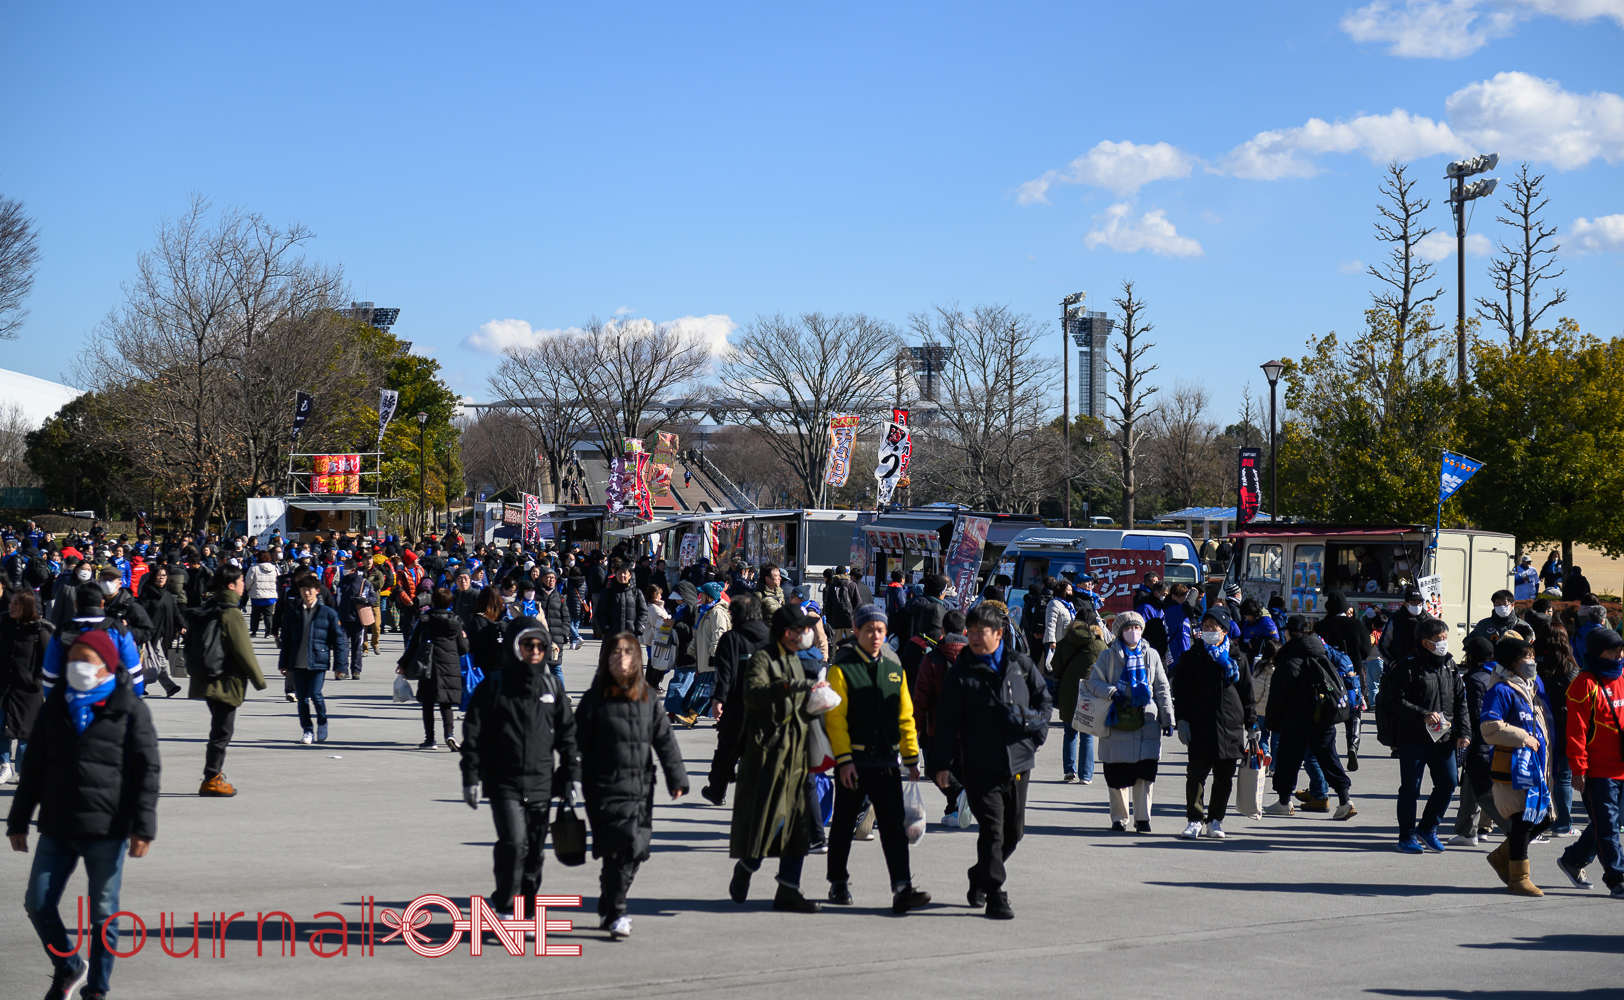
[[1461, 193], [1068, 307]]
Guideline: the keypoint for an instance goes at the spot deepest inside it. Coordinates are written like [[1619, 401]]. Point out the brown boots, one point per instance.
[[1500, 860], [1518, 884], [216, 787]]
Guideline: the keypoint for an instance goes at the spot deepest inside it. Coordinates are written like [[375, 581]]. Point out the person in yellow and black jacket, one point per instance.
[[870, 731]]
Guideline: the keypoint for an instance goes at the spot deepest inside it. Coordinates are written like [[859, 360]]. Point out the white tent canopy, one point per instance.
[[37, 398]]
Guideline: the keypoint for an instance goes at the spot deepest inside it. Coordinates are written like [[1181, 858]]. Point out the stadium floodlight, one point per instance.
[[1461, 193], [1476, 189], [1472, 165]]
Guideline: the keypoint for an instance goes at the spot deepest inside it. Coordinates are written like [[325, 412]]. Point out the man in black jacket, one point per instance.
[[840, 600], [748, 636], [620, 607], [517, 723], [1429, 705], [921, 616], [993, 713], [1399, 637], [1339, 629], [1300, 664], [92, 769]]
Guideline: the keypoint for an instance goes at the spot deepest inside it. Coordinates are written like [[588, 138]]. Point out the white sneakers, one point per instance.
[[1279, 809], [308, 738], [1215, 830], [8, 774], [1345, 811], [621, 929], [1194, 830], [1459, 841]]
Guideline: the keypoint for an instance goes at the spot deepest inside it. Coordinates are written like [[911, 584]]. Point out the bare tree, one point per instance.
[[535, 384], [1131, 396], [623, 372], [1247, 431], [14, 430], [1519, 269], [1186, 450], [991, 443], [19, 255], [1405, 271], [747, 458], [500, 450], [788, 375]]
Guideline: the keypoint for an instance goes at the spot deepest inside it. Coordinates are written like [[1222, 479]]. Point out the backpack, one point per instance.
[[1343, 664], [204, 645], [1327, 694], [420, 662], [1386, 696], [71, 630]]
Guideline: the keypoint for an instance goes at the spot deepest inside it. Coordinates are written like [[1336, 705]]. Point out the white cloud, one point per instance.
[[1526, 117], [1439, 245], [1119, 167], [624, 311], [1450, 29], [1601, 234], [1282, 153], [498, 335], [1116, 228], [1351, 267]]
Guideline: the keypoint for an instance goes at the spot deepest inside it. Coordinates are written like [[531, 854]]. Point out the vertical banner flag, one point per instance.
[[388, 400], [301, 412], [1249, 489], [665, 458], [842, 436], [964, 556], [645, 503], [894, 451], [532, 519], [1454, 472], [614, 496]]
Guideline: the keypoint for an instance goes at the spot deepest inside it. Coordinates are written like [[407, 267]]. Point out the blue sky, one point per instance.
[[497, 170]]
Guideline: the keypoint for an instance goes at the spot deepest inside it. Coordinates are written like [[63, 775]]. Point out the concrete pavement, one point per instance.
[[1296, 906]]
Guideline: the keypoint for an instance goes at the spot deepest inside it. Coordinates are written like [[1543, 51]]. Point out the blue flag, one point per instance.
[[1455, 471]]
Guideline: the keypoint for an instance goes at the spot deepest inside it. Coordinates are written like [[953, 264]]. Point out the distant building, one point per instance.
[[37, 398], [1091, 332], [382, 317]]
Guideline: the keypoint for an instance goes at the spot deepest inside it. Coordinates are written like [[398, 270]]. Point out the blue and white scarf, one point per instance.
[[82, 703], [1133, 686], [1220, 652]]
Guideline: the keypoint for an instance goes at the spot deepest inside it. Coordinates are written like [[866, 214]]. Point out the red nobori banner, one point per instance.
[[1119, 571]]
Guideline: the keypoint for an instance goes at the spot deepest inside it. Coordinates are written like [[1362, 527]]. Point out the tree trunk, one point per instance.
[[1567, 567]]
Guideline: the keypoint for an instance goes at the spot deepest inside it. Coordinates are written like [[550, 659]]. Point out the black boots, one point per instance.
[[791, 901]]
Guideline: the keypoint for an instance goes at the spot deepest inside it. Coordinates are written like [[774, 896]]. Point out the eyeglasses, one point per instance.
[[531, 645]]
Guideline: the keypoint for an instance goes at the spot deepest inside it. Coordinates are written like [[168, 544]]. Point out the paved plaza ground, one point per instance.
[[1284, 907]]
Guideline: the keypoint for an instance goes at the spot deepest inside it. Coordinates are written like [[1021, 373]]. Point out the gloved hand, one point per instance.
[[1167, 730], [470, 795], [1184, 732]]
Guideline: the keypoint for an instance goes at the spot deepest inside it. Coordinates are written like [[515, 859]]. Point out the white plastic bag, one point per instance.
[[821, 700], [820, 756], [403, 689], [913, 811]]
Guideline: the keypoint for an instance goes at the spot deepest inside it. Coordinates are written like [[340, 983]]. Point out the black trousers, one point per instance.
[[222, 723], [521, 833], [999, 806], [1223, 783], [447, 720], [259, 612], [725, 761], [1295, 744], [614, 882], [1522, 832], [883, 786]]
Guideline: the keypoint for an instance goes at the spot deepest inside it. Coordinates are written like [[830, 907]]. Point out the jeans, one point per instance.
[[575, 630], [307, 685], [1320, 743], [222, 723], [1415, 761], [54, 862], [999, 805], [883, 786], [1603, 799], [1318, 787], [521, 832], [7, 758], [347, 658], [1374, 668], [1561, 787], [1068, 753]]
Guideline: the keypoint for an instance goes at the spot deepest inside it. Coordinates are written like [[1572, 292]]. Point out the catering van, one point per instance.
[[1038, 553]]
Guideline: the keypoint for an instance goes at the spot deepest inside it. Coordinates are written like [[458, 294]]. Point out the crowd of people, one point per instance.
[[831, 709]]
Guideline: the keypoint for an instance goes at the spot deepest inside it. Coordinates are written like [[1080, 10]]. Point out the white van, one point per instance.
[[1043, 552]]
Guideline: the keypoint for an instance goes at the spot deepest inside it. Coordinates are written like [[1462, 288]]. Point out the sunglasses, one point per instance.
[[531, 645]]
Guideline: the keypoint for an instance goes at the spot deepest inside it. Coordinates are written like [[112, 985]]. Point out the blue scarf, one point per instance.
[[1071, 609], [80, 703], [1220, 652], [1133, 686], [994, 659]]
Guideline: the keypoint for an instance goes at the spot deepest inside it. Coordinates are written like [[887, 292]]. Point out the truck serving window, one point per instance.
[[1263, 562], [828, 543]]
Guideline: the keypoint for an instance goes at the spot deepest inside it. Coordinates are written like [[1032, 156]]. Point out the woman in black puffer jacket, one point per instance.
[[620, 726], [23, 637], [441, 684]]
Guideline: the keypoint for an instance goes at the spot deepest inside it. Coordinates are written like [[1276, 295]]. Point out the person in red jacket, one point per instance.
[[1596, 755]]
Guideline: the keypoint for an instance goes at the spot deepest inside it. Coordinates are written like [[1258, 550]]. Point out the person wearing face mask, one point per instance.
[[621, 727], [93, 772], [121, 606], [1475, 816], [441, 684], [1515, 723], [772, 813], [64, 601], [1432, 722], [1398, 639], [23, 638], [1300, 665], [1500, 621], [519, 742], [1212, 693], [1595, 739], [89, 599], [1130, 673]]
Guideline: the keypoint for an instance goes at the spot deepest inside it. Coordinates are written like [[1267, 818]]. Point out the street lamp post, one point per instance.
[[1271, 371], [1065, 392], [1462, 193], [422, 419], [1088, 495]]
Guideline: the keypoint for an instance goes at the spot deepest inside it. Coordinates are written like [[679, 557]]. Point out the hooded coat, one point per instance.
[[1219, 711], [619, 739], [442, 684], [1073, 661], [519, 729]]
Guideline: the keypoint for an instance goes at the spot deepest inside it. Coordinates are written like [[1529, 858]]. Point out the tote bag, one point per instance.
[[1091, 712]]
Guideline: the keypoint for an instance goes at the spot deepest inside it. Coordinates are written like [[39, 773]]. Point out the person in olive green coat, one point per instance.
[[771, 809], [1073, 661], [224, 694]]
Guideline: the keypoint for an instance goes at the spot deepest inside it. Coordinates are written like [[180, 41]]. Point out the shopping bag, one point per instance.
[[913, 811], [471, 676], [403, 689], [365, 615], [569, 837], [699, 695], [824, 786], [821, 700], [1249, 779], [676, 693], [1090, 714], [820, 756]]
